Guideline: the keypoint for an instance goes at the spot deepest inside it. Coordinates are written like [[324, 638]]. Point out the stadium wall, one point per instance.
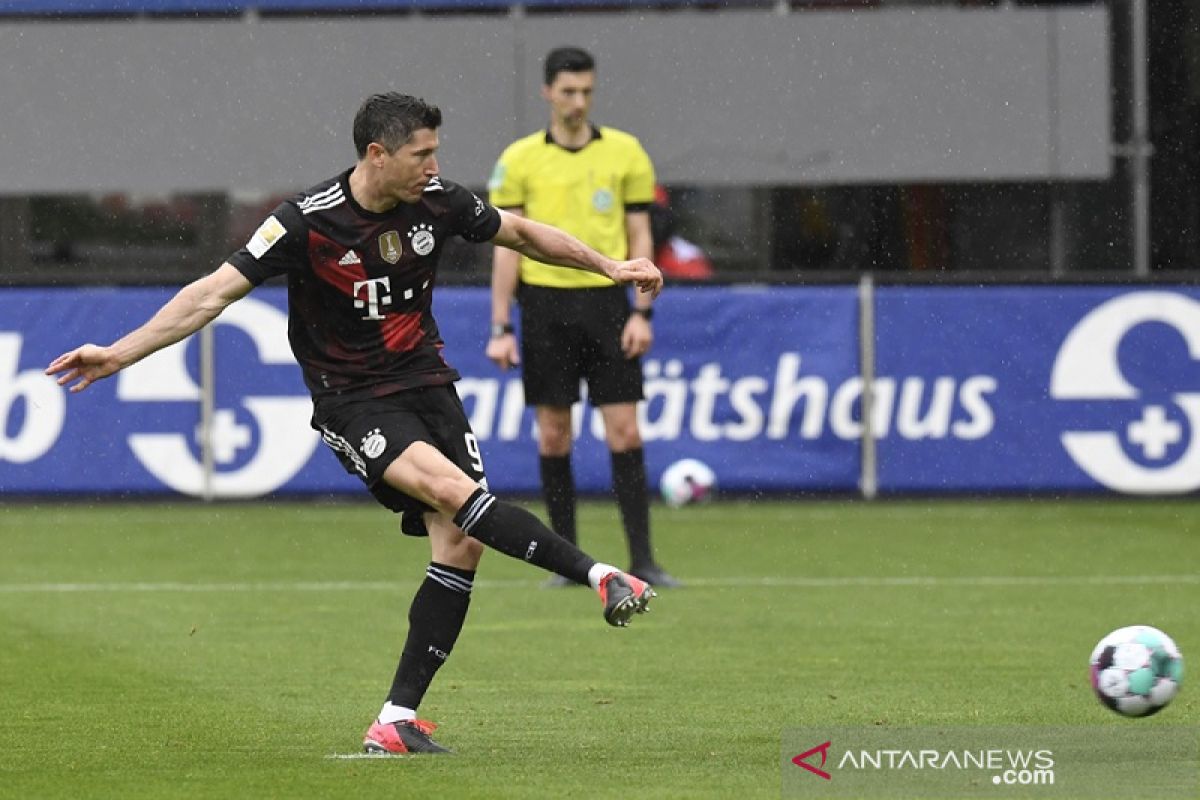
[[999, 389], [745, 97]]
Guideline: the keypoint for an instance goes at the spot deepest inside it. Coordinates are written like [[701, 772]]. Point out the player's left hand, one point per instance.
[[637, 336], [641, 272], [84, 365]]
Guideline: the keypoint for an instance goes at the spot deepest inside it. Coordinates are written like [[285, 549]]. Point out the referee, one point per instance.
[[596, 183]]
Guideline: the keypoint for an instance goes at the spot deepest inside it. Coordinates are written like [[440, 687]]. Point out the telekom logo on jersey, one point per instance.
[[374, 296], [375, 293]]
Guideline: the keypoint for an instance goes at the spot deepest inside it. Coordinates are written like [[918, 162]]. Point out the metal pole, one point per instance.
[[869, 482], [517, 16], [1140, 145], [1058, 233], [214, 232], [208, 391]]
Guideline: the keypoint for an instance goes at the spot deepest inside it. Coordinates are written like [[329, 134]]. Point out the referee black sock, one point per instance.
[[558, 491], [633, 499], [434, 621], [515, 532]]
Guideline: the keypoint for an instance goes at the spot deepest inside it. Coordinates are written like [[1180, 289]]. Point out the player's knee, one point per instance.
[[472, 550], [449, 493], [621, 427], [554, 430], [465, 552], [554, 448], [554, 440], [623, 437]]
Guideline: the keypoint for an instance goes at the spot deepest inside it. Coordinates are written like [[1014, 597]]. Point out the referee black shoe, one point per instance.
[[397, 738], [623, 596], [656, 576]]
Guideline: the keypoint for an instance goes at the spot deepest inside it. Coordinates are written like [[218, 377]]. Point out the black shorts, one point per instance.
[[369, 434], [568, 335]]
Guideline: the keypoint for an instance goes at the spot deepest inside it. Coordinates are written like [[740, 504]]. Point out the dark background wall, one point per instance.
[[722, 98], [804, 138]]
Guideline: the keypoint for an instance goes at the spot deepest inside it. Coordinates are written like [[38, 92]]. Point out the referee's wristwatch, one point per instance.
[[646, 313], [500, 329]]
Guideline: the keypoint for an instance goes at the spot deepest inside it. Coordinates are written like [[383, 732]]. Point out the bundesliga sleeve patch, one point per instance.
[[497, 177], [265, 237]]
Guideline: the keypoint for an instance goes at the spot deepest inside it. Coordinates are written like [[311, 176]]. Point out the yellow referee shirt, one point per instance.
[[584, 192]]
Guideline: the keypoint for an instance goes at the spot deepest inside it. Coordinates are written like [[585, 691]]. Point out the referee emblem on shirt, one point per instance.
[[602, 200]]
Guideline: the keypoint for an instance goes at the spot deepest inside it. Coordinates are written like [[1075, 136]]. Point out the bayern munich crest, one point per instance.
[[373, 444], [422, 239]]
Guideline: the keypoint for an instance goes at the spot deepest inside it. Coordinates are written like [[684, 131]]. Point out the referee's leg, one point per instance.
[[629, 481], [632, 492], [554, 465]]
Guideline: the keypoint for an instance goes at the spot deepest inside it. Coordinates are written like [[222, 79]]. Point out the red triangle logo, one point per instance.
[[823, 749]]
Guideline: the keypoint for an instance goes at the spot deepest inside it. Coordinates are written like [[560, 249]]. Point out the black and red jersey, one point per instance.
[[360, 283]]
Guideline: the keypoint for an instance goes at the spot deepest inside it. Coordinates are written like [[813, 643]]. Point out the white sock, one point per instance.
[[391, 713], [597, 572]]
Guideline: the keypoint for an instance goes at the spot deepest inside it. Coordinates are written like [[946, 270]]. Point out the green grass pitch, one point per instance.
[[235, 651]]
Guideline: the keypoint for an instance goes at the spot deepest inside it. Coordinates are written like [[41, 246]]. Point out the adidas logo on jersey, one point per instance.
[[351, 257]]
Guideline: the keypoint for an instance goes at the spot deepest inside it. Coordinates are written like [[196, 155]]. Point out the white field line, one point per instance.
[[794, 581], [365, 756]]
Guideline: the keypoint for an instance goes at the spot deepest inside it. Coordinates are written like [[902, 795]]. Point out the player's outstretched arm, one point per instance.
[[193, 307], [552, 246]]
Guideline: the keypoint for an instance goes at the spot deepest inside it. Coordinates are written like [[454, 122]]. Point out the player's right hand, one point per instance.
[[641, 272], [84, 365], [503, 351]]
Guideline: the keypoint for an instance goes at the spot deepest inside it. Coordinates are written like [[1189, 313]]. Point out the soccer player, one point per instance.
[[598, 184], [360, 253]]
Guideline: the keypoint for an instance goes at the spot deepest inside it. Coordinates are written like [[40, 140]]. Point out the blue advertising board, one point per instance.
[[137, 432], [725, 384], [1027, 389], [1038, 388]]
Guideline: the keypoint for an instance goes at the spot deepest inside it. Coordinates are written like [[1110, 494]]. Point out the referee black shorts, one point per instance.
[[569, 335], [369, 434]]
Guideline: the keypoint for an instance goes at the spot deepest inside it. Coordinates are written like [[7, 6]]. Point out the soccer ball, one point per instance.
[[687, 481], [1136, 670]]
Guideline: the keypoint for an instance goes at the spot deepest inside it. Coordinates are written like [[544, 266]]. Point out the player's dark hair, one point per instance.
[[390, 119], [567, 59]]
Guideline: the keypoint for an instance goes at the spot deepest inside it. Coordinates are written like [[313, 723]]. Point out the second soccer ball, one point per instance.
[[687, 481]]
